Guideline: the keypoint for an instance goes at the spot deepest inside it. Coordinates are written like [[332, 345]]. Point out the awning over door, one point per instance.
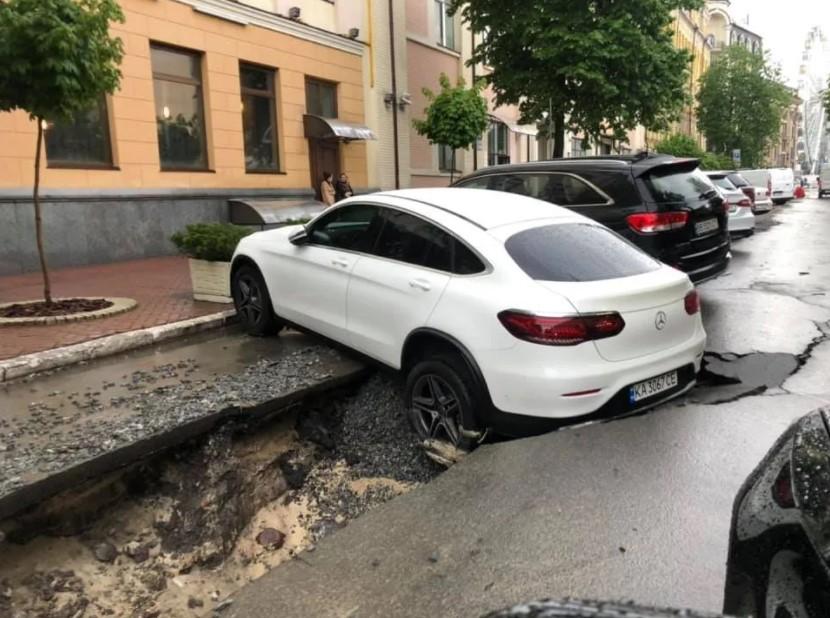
[[319, 127], [521, 129]]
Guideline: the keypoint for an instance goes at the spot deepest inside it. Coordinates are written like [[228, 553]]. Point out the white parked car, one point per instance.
[[738, 205], [503, 312], [763, 201], [823, 181]]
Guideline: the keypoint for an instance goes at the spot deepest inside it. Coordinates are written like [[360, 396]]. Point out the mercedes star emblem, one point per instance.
[[660, 320]]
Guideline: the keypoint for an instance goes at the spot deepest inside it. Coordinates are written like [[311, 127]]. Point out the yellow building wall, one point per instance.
[[224, 44]]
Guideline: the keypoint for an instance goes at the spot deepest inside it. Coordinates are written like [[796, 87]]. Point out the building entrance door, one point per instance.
[[325, 157]]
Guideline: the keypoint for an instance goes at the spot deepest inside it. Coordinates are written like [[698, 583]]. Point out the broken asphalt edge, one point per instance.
[[22, 366], [151, 446]]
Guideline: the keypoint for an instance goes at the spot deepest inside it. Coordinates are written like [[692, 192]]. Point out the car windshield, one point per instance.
[[723, 182], [576, 252], [666, 186]]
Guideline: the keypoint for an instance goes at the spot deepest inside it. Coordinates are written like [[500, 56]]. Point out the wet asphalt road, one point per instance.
[[636, 508]]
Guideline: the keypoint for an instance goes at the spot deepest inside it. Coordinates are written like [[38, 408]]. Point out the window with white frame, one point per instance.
[[445, 24], [498, 150]]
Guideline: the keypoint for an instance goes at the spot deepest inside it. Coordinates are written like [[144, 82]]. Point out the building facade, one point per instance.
[[217, 100], [783, 151]]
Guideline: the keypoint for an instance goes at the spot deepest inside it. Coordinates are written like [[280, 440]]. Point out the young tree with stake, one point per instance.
[[57, 59], [456, 117]]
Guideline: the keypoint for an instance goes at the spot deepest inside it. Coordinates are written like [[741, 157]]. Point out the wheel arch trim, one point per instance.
[[477, 421]]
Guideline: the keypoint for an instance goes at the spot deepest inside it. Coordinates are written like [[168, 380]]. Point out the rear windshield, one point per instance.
[[576, 252], [723, 182], [738, 180], [667, 186]]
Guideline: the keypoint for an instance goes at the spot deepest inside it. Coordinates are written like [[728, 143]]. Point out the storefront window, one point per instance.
[[177, 81], [259, 118], [82, 142]]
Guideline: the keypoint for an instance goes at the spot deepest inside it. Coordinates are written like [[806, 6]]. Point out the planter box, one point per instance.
[[211, 281]]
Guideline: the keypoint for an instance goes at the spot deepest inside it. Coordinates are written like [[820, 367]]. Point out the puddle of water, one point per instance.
[[726, 377]]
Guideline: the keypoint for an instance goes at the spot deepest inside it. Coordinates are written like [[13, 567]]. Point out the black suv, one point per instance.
[[664, 205]]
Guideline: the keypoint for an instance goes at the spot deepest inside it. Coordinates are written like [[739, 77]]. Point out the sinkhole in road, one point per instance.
[[177, 535], [727, 377]]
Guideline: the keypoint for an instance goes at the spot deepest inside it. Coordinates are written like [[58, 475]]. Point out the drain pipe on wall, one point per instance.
[[473, 83], [394, 94]]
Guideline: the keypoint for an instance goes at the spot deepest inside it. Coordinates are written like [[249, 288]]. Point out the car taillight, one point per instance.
[[782, 489], [744, 203], [729, 206], [565, 330], [749, 192], [692, 302], [651, 222]]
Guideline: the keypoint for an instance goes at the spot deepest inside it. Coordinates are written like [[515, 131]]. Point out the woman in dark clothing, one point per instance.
[[342, 188]]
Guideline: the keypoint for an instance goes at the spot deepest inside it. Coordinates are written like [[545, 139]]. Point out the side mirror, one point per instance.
[[299, 238]]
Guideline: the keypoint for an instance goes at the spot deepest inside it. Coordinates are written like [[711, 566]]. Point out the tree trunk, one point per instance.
[[558, 135], [452, 165], [47, 287]]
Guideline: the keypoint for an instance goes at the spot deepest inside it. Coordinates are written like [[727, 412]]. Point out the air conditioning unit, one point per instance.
[[294, 13], [354, 33]]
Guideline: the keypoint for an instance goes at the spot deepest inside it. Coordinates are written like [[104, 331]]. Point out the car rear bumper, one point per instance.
[[763, 205], [521, 383], [742, 222]]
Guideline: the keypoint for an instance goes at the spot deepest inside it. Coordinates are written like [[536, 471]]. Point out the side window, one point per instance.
[[510, 183], [465, 262], [409, 239], [354, 227], [476, 183], [566, 190]]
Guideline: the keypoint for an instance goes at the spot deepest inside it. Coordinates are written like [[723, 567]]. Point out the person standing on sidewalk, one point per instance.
[[327, 189], [342, 188]]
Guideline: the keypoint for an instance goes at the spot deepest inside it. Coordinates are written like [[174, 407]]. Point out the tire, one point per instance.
[[439, 394], [252, 302]]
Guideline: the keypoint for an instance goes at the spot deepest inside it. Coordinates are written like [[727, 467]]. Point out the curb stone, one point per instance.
[[28, 364]]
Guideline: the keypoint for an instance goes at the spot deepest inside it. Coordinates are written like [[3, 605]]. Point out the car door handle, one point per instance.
[[342, 262], [420, 284]]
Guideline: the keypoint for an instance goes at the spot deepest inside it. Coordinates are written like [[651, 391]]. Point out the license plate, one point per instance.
[[652, 387], [705, 227]]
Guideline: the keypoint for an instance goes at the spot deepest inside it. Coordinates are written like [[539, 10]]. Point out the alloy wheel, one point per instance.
[[437, 409], [250, 299]]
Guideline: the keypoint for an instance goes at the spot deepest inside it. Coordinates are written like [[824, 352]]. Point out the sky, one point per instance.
[[784, 24]]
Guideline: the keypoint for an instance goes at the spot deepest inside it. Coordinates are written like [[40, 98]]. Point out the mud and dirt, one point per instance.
[[184, 532]]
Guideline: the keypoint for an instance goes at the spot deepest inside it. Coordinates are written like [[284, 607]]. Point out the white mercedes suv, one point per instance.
[[503, 312]]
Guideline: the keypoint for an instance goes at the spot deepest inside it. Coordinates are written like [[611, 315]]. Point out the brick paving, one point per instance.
[[160, 285]]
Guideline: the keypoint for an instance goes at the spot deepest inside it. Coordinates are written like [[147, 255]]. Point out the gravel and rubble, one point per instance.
[[221, 511], [66, 429]]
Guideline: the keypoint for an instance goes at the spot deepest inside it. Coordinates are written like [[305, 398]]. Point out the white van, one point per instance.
[[780, 182], [783, 184], [758, 178], [824, 181]]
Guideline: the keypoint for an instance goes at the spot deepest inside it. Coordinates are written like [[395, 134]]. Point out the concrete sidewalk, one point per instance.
[[160, 285]]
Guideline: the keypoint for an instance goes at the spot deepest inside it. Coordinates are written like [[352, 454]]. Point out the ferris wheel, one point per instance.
[[814, 140]]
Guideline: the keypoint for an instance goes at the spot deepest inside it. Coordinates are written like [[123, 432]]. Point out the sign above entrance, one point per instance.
[[318, 127]]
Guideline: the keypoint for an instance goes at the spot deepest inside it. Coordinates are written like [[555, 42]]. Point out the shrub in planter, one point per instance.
[[214, 242], [210, 247]]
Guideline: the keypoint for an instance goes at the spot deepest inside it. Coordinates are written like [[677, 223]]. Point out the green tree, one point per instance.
[[597, 67], [456, 117], [740, 104], [57, 59], [680, 145]]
